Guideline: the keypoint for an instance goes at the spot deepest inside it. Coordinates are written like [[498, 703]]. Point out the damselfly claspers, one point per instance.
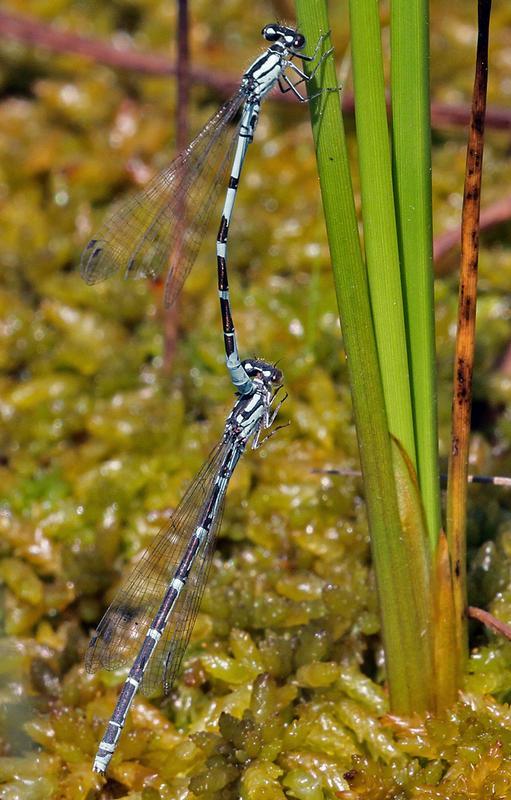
[[150, 620], [162, 227]]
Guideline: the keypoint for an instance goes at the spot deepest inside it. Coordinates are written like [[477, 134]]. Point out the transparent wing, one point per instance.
[[166, 660], [162, 226], [124, 626]]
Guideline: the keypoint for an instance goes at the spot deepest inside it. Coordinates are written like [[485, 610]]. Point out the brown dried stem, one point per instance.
[[465, 337]]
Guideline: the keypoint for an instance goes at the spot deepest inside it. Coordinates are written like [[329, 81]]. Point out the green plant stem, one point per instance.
[[404, 644], [447, 664], [380, 235], [411, 150]]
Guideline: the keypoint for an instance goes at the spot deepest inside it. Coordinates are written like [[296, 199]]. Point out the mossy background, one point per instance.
[[98, 444]]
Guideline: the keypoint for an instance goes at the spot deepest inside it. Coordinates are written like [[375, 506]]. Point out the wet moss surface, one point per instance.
[[282, 692]]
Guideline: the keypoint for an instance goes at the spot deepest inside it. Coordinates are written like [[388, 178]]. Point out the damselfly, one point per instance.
[[162, 226], [152, 615]]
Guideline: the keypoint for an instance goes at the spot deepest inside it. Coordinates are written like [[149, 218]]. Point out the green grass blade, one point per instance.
[[380, 235], [406, 660], [411, 148]]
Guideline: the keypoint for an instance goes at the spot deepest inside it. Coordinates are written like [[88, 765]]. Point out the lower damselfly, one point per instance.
[[150, 620], [162, 227]]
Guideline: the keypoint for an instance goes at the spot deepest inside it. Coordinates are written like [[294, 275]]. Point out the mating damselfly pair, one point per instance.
[[149, 623]]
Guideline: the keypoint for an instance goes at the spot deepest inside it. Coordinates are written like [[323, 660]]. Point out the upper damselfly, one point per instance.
[[162, 227]]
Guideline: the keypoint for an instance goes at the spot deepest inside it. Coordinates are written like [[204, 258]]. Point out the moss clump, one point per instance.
[[282, 692]]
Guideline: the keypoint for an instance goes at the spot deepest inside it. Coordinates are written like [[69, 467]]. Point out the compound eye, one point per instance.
[[299, 41], [270, 33]]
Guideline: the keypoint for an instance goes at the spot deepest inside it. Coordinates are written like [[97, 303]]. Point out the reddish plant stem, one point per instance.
[[32, 32], [490, 621], [505, 362], [39, 34], [457, 115], [183, 76], [489, 480], [490, 217], [171, 315], [465, 337]]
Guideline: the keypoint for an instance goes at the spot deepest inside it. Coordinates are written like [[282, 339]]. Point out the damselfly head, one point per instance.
[[288, 36], [257, 368]]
